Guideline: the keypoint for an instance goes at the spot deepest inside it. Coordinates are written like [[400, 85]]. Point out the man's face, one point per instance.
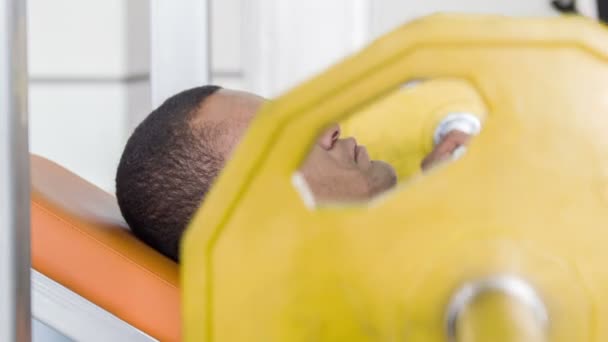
[[335, 170], [341, 170]]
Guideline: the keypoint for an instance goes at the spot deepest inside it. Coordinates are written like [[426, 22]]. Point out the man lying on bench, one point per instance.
[[174, 155]]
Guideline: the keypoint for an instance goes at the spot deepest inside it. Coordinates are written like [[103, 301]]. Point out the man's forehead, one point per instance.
[[229, 112], [229, 105]]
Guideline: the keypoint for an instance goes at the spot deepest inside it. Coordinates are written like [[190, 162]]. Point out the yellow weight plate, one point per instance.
[[404, 144], [527, 201]]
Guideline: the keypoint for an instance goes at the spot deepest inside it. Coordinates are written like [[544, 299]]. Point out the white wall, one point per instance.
[[88, 63], [268, 46], [285, 42], [227, 42], [179, 47]]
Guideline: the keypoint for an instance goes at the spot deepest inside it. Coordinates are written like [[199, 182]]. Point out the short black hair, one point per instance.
[[166, 169]]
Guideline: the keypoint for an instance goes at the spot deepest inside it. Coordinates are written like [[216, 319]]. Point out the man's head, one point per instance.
[[173, 157]]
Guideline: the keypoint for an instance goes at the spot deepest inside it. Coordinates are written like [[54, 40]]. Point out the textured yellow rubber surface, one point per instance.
[[398, 128], [528, 200]]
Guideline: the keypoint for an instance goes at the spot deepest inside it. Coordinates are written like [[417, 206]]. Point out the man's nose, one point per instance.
[[329, 137]]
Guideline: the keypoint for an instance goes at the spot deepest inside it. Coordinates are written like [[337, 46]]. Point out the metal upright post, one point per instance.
[[15, 317]]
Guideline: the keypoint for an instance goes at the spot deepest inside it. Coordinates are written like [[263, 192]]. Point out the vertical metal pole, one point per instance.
[[179, 46], [15, 317]]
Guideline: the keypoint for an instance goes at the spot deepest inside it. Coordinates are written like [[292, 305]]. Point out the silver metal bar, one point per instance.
[[510, 285], [179, 47], [15, 317]]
